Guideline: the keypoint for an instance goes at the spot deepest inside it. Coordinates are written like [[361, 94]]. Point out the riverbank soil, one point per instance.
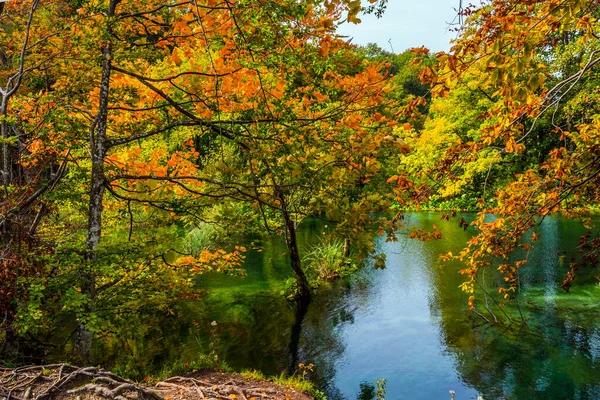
[[60, 381]]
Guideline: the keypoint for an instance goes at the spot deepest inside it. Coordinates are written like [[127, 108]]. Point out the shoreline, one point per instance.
[[64, 381]]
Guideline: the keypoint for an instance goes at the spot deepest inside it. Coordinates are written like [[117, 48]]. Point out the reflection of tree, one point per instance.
[[556, 356], [523, 364], [294, 346], [367, 391], [264, 331], [328, 313], [252, 328], [256, 331], [147, 343], [257, 327]]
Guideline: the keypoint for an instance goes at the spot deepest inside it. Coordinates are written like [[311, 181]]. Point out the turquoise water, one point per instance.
[[408, 324]]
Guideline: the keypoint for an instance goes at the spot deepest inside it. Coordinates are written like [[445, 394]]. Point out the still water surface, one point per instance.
[[408, 324]]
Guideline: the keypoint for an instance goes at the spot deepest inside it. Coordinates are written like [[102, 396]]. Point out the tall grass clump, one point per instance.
[[327, 261], [202, 237]]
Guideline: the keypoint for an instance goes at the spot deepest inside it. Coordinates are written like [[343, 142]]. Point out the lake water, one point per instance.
[[408, 324]]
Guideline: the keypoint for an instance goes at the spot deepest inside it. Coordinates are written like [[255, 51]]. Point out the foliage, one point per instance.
[[290, 289], [23, 179], [131, 121], [144, 282], [532, 65], [381, 389]]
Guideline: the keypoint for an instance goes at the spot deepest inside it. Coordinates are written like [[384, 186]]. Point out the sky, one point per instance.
[[408, 23]]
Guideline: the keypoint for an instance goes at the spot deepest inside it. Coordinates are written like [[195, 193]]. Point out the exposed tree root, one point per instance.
[[62, 381]]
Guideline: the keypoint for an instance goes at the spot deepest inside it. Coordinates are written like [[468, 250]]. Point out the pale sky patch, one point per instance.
[[407, 23]]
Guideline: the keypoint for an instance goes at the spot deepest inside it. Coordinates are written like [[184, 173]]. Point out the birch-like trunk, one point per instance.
[[346, 248], [5, 133], [97, 186]]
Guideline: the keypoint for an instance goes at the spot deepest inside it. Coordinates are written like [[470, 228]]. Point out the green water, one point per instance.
[[408, 324]]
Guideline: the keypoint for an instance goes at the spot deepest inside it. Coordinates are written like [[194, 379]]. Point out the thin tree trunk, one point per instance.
[[346, 248], [5, 171], [292, 246], [97, 186], [38, 219], [4, 132], [13, 84]]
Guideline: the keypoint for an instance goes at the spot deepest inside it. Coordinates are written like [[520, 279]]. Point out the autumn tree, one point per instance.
[[297, 122], [30, 43], [173, 108], [536, 62]]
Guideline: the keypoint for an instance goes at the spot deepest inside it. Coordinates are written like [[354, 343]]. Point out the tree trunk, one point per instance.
[[97, 186], [6, 162], [346, 248], [5, 171], [292, 246]]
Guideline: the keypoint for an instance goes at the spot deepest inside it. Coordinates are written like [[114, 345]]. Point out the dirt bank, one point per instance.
[[61, 381]]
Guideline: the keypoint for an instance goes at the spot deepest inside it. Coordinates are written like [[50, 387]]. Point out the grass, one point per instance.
[[205, 362], [297, 382], [202, 237], [327, 261]]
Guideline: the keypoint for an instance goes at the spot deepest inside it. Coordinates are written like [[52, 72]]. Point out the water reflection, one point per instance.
[[408, 324]]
